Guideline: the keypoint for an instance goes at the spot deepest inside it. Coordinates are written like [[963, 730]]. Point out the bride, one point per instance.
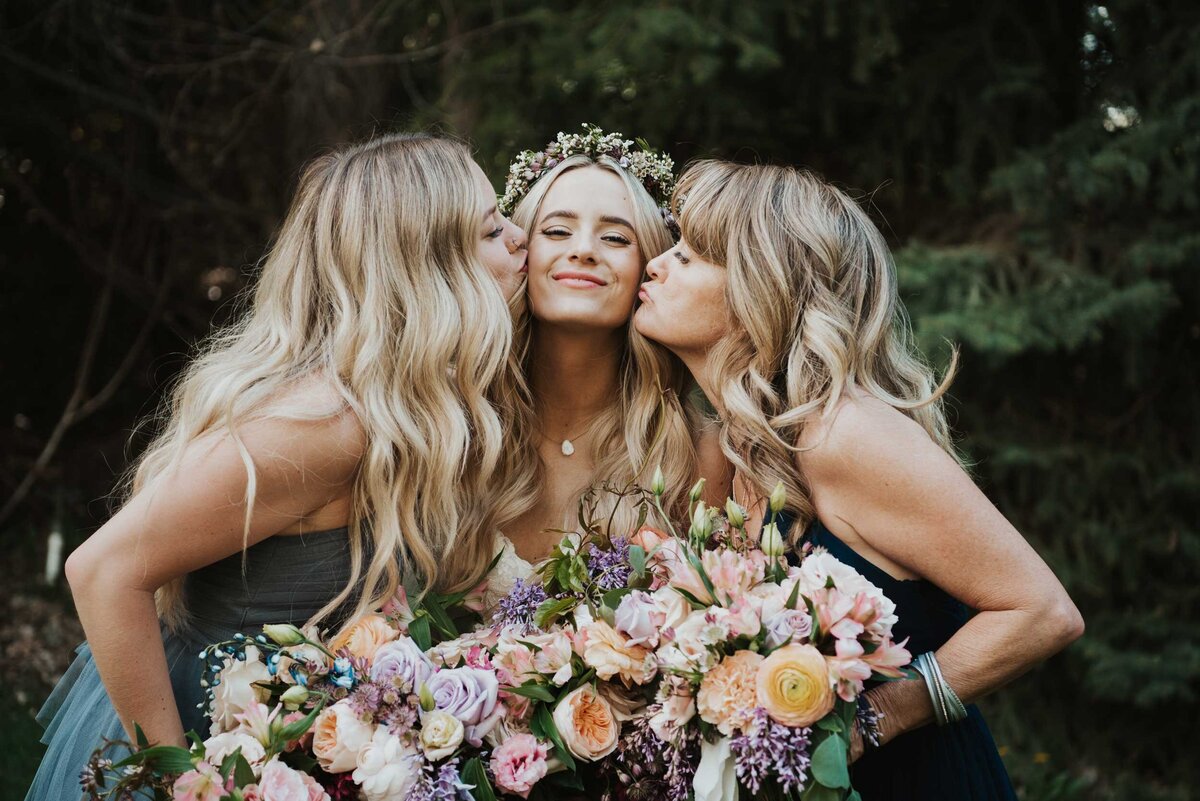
[[604, 404], [313, 451]]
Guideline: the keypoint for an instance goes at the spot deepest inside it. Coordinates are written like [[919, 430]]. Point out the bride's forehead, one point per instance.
[[591, 189]]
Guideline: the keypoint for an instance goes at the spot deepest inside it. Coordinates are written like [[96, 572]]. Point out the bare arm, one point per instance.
[[885, 487], [191, 517]]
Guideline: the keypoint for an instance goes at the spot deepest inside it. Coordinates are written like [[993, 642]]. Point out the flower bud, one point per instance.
[[425, 696], [778, 498], [735, 513], [702, 524], [658, 484], [771, 541], [294, 697], [284, 633], [697, 491]]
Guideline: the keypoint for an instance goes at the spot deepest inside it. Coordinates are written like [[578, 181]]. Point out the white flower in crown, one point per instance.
[[655, 171]]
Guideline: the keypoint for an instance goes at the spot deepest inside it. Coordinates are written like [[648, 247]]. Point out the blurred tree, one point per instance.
[[1035, 165]]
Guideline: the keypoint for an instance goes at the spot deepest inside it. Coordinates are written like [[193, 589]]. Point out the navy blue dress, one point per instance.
[[958, 761], [287, 580]]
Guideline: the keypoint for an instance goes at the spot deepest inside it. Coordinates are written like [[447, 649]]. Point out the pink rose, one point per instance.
[[281, 783], [519, 763], [639, 618]]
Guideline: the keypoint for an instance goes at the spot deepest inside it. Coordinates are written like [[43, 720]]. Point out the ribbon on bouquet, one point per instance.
[[716, 775]]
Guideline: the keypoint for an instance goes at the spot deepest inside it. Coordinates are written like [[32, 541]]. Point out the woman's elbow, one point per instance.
[[1063, 623]]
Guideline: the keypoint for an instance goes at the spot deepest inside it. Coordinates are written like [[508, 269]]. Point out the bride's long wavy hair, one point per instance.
[[650, 422], [373, 285], [812, 292]]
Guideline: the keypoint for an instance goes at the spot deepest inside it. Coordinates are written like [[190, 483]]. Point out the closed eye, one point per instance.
[[617, 238], [495, 233], [682, 259], [555, 231]]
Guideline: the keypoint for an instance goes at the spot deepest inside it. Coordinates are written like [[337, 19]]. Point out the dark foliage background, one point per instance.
[[1034, 164]]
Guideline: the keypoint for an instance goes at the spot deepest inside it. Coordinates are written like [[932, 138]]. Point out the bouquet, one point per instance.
[[679, 662], [737, 673]]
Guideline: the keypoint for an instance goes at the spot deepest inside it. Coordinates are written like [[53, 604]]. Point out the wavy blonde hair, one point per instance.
[[812, 292], [649, 424], [373, 284]]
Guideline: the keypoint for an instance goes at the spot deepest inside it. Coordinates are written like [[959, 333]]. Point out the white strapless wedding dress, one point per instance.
[[504, 575]]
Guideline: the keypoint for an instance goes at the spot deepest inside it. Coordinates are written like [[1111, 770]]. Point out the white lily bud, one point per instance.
[[294, 697], [697, 491], [284, 633], [735, 513], [778, 498], [771, 541], [658, 484]]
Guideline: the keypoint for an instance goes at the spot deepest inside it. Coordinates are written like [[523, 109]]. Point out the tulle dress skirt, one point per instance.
[[287, 579]]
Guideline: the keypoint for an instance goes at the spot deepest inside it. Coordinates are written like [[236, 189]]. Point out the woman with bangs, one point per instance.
[[605, 406], [344, 433], [781, 298]]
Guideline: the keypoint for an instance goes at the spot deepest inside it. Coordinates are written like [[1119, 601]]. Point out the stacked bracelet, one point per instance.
[[947, 706]]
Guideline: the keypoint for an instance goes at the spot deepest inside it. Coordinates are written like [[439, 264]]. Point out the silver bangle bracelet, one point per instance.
[[947, 706]]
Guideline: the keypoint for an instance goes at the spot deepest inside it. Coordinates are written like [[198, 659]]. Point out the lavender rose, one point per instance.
[[789, 625], [640, 619], [471, 695], [403, 663]]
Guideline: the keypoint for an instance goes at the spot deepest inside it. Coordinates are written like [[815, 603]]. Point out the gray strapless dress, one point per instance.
[[287, 580]]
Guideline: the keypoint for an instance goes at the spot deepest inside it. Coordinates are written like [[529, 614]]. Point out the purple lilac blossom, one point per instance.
[[651, 768], [610, 569], [767, 750], [440, 784], [517, 608]]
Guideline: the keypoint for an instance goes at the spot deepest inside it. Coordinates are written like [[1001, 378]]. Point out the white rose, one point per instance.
[[441, 733], [675, 607], [387, 768], [338, 736], [219, 746], [235, 690], [820, 565]]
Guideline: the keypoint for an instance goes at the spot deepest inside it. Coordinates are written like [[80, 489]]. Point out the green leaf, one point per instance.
[[795, 596], [160, 758], [531, 689], [419, 631], [831, 723], [474, 774], [817, 792], [550, 609], [692, 599], [637, 558], [437, 614], [243, 774], [229, 762], [296, 729], [140, 736], [612, 597], [854, 796], [545, 720], [829, 762]]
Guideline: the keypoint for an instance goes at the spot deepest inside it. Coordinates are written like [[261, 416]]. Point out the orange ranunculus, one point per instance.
[[793, 685]]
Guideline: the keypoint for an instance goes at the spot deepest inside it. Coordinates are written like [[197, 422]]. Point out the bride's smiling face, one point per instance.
[[585, 265]]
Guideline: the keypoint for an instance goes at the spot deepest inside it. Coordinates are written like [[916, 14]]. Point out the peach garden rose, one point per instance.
[[587, 724]]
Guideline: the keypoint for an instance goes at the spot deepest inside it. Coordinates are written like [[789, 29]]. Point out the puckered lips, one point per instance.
[[579, 280]]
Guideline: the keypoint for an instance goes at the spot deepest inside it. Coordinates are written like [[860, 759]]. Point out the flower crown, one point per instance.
[[654, 170]]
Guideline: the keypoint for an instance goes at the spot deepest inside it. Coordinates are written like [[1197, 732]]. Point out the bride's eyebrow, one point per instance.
[[570, 215]]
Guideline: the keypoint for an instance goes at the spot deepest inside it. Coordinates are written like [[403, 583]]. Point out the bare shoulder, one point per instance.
[[862, 429], [307, 428]]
